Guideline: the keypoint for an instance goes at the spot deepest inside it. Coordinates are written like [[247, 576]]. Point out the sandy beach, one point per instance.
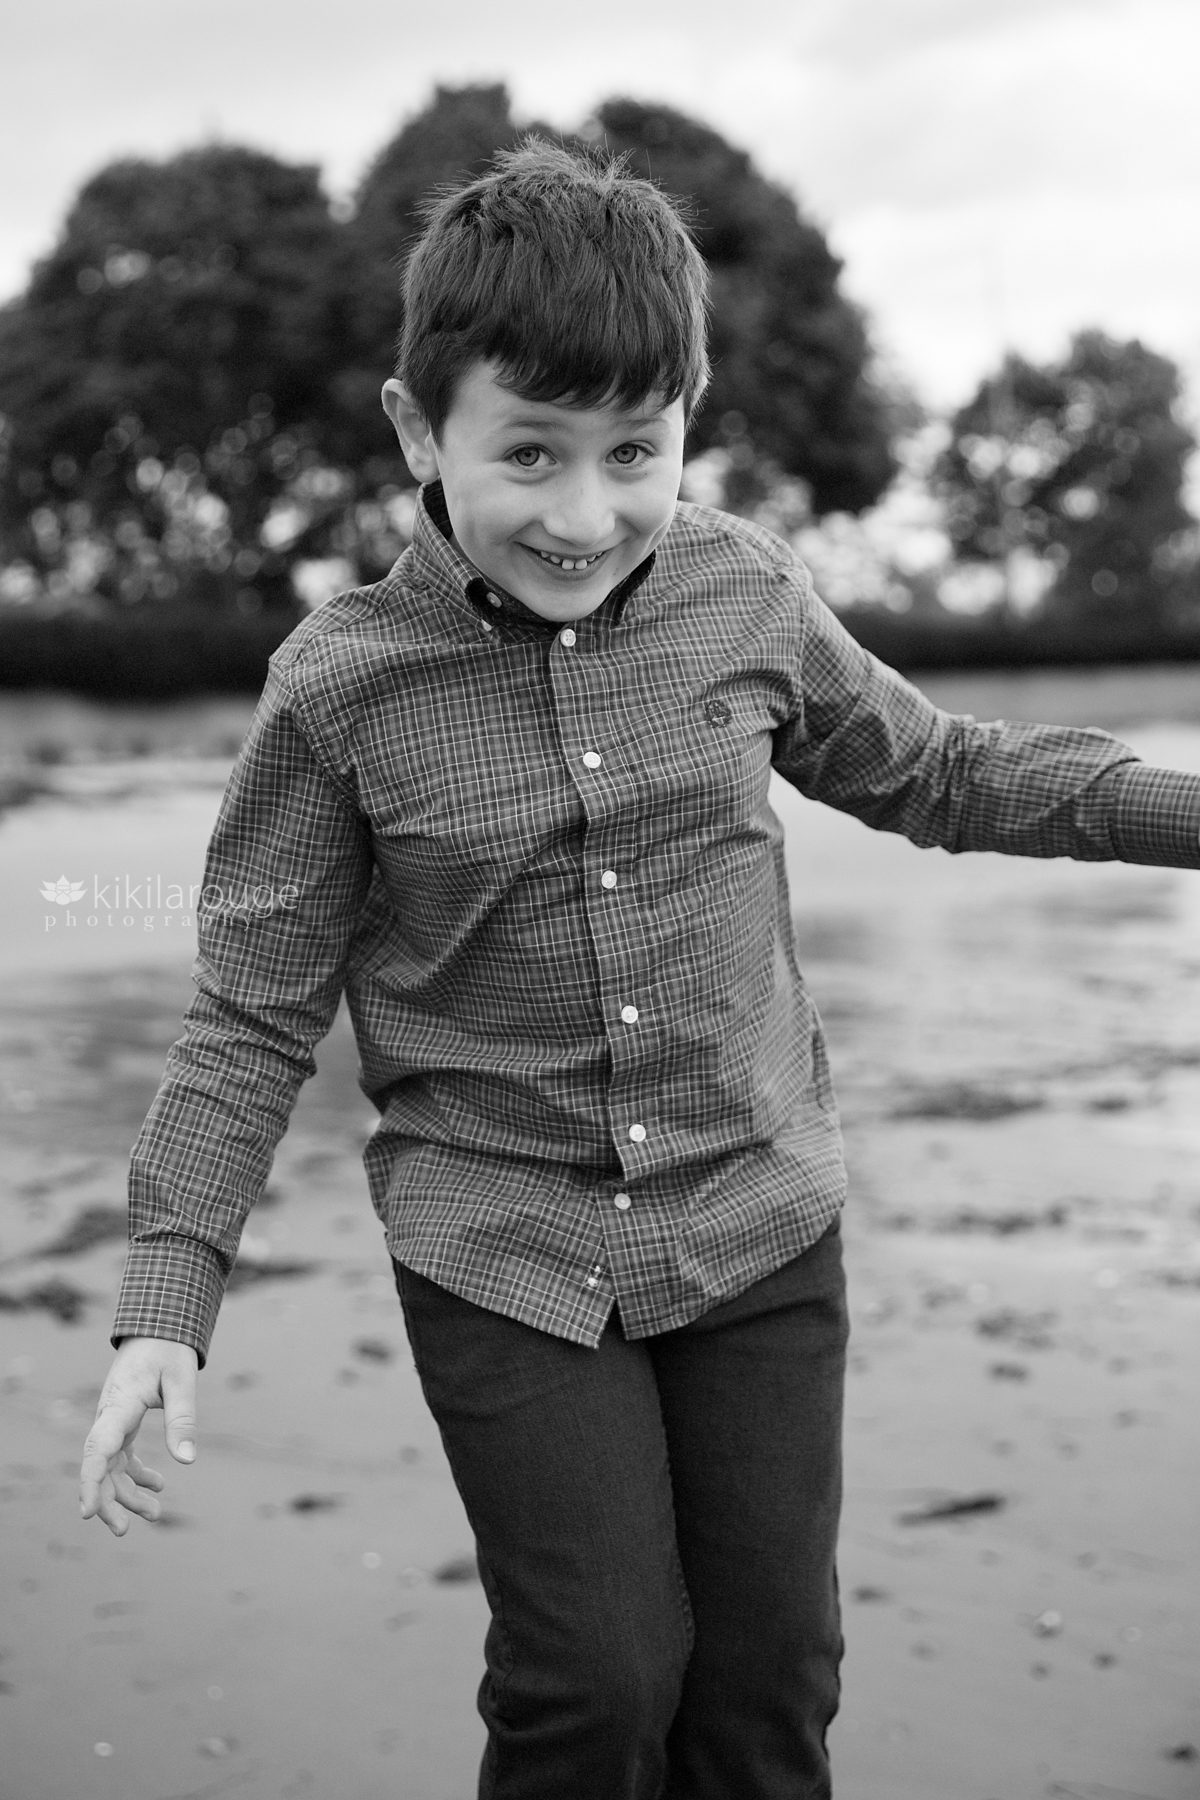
[[1017, 1052]]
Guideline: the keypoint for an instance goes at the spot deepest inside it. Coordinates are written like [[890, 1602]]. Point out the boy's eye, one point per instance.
[[627, 454], [526, 456]]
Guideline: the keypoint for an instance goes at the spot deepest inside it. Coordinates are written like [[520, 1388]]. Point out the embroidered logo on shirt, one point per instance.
[[716, 711]]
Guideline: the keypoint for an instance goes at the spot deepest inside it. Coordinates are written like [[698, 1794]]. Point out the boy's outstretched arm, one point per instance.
[[146, 1374], [865, 740]]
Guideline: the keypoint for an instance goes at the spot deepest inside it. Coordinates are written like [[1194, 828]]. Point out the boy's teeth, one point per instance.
[[567, 562]]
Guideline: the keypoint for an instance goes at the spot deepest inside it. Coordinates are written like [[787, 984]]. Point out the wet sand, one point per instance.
[[1017, 1051]]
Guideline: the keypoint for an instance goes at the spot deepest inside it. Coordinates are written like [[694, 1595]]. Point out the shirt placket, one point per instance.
[[603, 779]]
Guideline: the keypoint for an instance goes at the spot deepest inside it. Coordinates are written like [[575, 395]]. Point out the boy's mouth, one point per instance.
[[570, 564]]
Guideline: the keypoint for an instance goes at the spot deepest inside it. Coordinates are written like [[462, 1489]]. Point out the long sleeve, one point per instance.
[[287, 869], [866, 741]]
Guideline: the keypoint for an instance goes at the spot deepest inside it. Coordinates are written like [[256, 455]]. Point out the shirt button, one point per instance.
[[637, 1133], [566, 637], [592, 759], [494, 600], [609, 878], [629, 1014], [487, 625], [622, 1202]]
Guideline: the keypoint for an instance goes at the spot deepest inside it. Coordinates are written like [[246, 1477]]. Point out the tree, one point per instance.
[[451, 139], [792, 390], [1079, 463], [165, 376], [189, 387]]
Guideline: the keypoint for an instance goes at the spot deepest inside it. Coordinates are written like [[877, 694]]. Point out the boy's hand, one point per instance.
[[146, 1373]]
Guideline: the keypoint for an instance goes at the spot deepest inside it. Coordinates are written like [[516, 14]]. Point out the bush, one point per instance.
[[144, 655], [964, 641]]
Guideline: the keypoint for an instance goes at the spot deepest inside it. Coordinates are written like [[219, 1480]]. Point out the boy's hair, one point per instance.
[[580, 280]]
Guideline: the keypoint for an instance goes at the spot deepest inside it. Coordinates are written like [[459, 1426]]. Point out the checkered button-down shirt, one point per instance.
[[542, 864]]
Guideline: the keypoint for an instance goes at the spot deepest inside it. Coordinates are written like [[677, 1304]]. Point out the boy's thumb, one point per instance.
[[179, 1409]]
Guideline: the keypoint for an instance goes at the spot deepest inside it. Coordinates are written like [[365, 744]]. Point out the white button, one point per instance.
[[637, 1133], [487, 625], [494, 600], [566, 637], [622, 1202], [592, 759], [629, 1014], [609, 878], [592, 1281]]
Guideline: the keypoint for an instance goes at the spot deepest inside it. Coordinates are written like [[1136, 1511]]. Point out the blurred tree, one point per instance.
[[1078, 463], [450, 140], [189, 387], [164, 378], [793, 391]]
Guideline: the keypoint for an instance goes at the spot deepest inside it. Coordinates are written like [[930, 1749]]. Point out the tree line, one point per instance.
[[189, 388], [190, 384]]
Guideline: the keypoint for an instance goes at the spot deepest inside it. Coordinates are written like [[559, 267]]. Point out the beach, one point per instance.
[[1016, 1049]]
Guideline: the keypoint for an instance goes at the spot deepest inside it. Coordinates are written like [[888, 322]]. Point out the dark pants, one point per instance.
[[656, 1526]]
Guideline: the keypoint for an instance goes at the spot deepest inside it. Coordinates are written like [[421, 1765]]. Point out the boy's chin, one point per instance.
[[565, 611], [562, 603]]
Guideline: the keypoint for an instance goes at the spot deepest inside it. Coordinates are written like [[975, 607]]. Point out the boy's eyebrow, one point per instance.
[[542, 421]]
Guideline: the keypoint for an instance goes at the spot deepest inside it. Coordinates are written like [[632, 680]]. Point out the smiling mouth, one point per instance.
[[571, 564]]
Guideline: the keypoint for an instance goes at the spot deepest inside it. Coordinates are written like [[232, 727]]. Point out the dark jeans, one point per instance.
[[656, 1526]]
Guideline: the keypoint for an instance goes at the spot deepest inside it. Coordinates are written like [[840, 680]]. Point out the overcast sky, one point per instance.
[[990, 171]]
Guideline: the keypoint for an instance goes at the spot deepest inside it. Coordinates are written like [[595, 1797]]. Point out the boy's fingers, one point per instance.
[[112, 1515], [115, 1423], [113, 1480], [115, 1426], [136, 1499], [104, 1444], [116, 1491], [97, 1500], [143, 1475]]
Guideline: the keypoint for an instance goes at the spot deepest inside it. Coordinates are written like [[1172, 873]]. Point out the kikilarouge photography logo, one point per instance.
[[152, 903]]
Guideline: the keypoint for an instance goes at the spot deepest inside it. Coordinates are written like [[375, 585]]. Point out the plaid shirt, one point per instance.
[[542, 864]]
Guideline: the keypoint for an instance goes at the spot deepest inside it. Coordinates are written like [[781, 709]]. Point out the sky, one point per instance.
[[991, 172]]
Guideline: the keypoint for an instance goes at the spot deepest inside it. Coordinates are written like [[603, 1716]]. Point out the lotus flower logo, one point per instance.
[[63, 891]]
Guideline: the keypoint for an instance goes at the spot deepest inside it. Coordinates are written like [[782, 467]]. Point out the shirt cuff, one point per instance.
[[172, 1288], [1156, 816]]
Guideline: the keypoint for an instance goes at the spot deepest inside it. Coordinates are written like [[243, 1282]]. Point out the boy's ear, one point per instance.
[[416, 438]]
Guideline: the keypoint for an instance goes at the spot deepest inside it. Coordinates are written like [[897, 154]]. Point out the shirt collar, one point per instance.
[[454, 576]]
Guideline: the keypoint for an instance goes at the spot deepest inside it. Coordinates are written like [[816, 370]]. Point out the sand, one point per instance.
[[1017, 1049]]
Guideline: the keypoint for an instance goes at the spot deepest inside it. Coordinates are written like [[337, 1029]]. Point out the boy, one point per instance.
[[517, 796]]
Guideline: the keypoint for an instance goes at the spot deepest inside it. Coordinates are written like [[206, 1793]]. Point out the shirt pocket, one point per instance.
[[712, 769]]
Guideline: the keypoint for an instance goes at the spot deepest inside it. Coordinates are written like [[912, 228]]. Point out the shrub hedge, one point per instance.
[[180, 651], [142, 656]]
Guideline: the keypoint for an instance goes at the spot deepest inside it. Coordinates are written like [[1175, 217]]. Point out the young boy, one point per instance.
[[514, 801]]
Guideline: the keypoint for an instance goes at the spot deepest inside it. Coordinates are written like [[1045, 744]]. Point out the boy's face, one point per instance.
[[555, 504]]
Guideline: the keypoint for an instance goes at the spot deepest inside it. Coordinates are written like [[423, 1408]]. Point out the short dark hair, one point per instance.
[[580, 280]]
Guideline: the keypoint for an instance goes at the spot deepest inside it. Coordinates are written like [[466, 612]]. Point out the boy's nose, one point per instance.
[[579, 514]]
